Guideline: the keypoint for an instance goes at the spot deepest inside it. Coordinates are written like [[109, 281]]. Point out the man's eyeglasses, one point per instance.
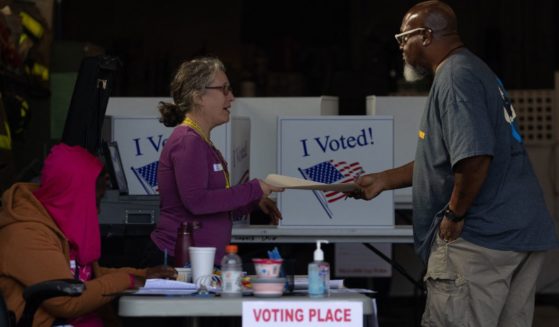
[[225, 88], [403, 37]]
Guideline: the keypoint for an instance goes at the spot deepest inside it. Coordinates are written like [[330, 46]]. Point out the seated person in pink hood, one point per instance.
[[51, 231]]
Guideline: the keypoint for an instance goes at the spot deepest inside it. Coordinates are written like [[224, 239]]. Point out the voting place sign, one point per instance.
[[334, 149], [303, 313]]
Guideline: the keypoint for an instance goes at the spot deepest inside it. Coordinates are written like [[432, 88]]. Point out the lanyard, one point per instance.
[[192, 124]]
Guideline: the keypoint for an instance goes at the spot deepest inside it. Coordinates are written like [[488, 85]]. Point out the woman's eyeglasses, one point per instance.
[[225, 88]]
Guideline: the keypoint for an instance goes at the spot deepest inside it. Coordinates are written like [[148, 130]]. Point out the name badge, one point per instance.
[[72, 264], [218, 167]]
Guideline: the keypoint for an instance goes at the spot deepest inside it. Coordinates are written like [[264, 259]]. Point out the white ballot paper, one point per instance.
[[301, 282], [303, 184], [166, 287]]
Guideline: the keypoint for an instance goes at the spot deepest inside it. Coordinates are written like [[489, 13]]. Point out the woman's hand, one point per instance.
[[166, 272], [267, 188], [162, 271], [268, 206]]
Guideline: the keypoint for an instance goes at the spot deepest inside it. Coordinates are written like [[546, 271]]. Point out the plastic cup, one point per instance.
[[184, 274], [267, 268], [202, 261]]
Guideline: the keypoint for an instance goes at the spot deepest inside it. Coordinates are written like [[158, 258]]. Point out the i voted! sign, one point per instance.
[[333, 150], [303, 313]]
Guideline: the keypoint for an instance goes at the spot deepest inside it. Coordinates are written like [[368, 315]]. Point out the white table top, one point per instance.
[[268, 233], [197, 306]]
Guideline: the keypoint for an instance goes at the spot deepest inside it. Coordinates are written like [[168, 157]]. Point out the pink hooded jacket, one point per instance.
[[34, 246]]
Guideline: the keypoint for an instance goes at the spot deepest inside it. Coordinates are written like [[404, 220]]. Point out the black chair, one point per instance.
[[34, 295]]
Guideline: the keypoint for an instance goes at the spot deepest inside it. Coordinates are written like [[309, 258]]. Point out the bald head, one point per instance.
[[435, 15], [432, 37]]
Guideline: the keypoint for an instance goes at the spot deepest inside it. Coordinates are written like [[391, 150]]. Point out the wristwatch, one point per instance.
[[448, 213]]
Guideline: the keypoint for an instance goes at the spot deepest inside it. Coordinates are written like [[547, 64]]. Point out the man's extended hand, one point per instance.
[[370, 186]]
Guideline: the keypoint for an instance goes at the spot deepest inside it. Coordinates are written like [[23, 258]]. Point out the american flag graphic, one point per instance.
[[147, 175], [329, 172]]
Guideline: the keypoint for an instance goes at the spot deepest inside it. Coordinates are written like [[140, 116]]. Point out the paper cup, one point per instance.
[[184, 274], [267, 268], [202, 261]]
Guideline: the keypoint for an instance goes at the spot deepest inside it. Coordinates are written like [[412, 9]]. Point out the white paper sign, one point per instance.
[[311, 313], [334, 150]]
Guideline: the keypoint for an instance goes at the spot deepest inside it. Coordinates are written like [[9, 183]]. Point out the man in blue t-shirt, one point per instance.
[[480, 221]]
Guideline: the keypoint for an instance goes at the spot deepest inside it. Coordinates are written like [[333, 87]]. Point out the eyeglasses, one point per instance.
[[403, 37], [225, 88]]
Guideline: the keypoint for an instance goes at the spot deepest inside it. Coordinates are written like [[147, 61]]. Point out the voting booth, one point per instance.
[[334, 149], [263, 113], [133, 123], [407, 111]]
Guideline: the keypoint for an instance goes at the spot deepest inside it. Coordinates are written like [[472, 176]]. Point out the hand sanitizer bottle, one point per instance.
[[319, 274]]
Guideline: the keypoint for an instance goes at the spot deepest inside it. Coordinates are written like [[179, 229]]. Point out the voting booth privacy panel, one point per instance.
[[334, 149], [263, 113], [133, 123], [407, 111]]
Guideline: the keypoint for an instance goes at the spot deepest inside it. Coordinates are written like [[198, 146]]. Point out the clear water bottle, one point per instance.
[[231, 273]]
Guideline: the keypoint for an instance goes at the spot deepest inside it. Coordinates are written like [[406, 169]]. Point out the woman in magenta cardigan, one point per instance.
[[193, 178]]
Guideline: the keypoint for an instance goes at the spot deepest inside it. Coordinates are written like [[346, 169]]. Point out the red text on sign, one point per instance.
[[278, 315], [330, 315]]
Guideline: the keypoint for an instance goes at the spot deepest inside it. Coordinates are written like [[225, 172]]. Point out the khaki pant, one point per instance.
[[469, 285]]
